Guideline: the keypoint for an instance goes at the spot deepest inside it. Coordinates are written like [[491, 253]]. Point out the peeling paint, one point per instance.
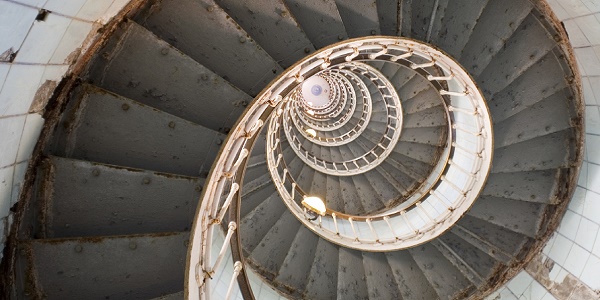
[[568, 288], [42, 95]]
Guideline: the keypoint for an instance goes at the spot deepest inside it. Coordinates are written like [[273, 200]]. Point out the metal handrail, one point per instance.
[[443, 200], [229, 165]]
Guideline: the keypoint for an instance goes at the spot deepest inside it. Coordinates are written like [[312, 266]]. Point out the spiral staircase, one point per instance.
[[172, 91]]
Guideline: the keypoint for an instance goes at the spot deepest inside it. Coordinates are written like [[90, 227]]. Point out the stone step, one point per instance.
[[82, 198], [271, 24], [138, 65], [115, 267], [108, 128], [323, 28], [206, 33]]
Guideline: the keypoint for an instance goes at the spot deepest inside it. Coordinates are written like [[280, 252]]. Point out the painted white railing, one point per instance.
[[337, 119], [458, 185], [369, 159], [448, 191]]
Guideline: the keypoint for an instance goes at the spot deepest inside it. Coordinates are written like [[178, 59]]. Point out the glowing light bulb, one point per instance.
[[314, 204]]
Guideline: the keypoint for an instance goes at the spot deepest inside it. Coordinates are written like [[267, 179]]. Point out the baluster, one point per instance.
[[412, 228], [216, 196], [252, 123], [457, 146], [353, 55], [402, 56], [337, 231], [232, 226], [353, 230], [237, 164], [420, 207], [450, 183], [387, 220], [237, 268], [445, 78], [459, 94], [433, 193], [373, 230], [457, 166], [423, 65], [283, 177], [458, 127], [279, 158], [465, 111], [234, 188]]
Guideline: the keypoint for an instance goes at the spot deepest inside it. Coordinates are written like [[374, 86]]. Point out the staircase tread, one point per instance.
[[540, 153], [323, 28], [146, 266], [532, 186], [460, 18], [549, 115], [207, 34], [411, 282], [112, 129], [323, 276], [516, 56], [294, 268], [137, 66], [387, 11], [380, 280], [360, 17], [430, 117], [260, 220], [271, 25], [444, 277], [351, 275], [512, 12], [518, 216], [85, 198], [270, 253]]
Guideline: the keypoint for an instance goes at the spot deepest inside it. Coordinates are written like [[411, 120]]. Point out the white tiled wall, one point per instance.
[[45, 50]]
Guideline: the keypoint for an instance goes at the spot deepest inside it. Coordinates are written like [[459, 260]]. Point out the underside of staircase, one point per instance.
[[120, 168]]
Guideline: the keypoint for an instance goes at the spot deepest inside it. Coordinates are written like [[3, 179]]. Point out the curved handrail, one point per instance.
[[452, 188], [225, 177], [382, 148]]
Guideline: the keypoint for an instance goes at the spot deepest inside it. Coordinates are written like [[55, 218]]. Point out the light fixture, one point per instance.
[[316, 91], [311, 132], [314, 204]]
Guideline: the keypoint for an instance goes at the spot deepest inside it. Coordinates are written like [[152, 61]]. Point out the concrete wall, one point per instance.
[[34, 56], [569, 266]]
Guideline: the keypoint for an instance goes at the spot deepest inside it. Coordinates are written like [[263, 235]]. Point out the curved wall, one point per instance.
[[41, 39]]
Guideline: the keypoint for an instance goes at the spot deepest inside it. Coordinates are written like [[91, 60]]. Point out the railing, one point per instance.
[[460, 181], [322, 137], [449, 190], [371, 158], [328, 120], [331, 109]]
